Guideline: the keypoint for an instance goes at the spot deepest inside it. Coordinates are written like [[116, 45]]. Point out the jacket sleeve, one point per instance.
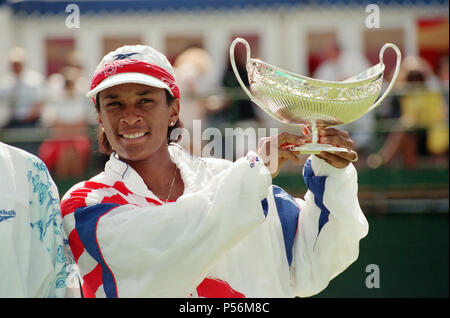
[[48, 235], [330, 226], [165, 251]]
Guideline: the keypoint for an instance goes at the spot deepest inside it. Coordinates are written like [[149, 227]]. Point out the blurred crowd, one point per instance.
[[419, 107], [58, 103], [409, 129]]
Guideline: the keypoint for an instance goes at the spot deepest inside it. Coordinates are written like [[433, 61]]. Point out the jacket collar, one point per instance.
[[192, 168]]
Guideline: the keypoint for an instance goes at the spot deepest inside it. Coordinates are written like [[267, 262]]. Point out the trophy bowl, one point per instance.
[[303, 101]]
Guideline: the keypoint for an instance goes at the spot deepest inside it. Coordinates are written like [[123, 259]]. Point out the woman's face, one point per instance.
[[135, 119]]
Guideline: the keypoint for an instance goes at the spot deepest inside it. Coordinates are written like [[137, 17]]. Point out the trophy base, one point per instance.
[[314, 149]]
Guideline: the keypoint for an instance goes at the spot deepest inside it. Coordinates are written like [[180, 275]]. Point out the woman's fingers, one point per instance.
[[339, 138], [288, 155], [275, 150], [287, 138], [350, 156], [333, 159], [337, 141], [336, 137]]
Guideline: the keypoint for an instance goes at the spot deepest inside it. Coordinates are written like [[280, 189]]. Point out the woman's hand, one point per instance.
[[274, 151], [338, 138]]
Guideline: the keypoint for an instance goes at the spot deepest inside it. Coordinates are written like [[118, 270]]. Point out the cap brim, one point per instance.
[[123, 78]]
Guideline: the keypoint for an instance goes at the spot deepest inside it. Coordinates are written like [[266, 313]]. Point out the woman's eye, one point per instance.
[[146, 100], [112, 104]]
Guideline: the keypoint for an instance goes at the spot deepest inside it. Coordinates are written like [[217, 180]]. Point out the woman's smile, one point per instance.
[[134, 137]]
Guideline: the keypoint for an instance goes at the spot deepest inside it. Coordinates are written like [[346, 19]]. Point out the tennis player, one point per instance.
[[160, 222]]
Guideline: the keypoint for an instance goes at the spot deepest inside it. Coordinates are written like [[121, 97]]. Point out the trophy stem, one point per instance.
[[314, 132], [314, 147]]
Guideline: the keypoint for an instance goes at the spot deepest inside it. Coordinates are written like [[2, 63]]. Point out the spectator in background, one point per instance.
[[442, 73], [21, 93], [67, 114], [422, 127], [339, 65], [192, 69], [56, 82]]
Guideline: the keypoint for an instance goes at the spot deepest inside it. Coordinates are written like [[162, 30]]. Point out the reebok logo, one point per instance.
[[5, 215], [123, 56]]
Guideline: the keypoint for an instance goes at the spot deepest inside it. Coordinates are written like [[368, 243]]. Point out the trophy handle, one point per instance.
[[394, 77], [233, 64]]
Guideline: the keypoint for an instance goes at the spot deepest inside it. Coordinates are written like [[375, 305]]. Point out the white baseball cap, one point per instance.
[[134, 64]]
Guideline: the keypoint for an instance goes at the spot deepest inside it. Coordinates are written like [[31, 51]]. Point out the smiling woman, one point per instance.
[[160, 222], [134, 115], [105, 147], [134, 119]]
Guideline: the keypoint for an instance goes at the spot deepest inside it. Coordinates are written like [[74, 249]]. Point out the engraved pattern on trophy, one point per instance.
[[299, 100]]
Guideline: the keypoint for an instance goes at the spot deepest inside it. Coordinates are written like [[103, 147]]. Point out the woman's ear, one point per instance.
[[174, 111], [99, 120]]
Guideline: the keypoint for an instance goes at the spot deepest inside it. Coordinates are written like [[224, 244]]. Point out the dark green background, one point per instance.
[[411, 251]]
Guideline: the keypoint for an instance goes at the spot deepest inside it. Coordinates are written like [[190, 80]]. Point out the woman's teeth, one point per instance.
[[133, 136]]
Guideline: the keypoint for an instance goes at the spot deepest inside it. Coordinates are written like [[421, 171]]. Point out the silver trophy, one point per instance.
[[303, 101]]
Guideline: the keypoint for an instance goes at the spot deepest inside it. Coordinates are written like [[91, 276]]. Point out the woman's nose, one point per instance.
[[131, 119]]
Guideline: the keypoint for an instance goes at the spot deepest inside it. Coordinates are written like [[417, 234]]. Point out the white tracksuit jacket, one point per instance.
[[231, 234], [33, 262]]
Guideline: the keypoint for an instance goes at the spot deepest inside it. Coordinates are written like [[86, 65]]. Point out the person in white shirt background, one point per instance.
[[67, 114], [193, 69], [21, 93]]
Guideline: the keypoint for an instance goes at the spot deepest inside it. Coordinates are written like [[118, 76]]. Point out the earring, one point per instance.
[[171, 123]]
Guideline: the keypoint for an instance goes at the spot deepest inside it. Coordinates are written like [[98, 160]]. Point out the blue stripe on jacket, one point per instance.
[[317, 186], [86, 223], [288, 212]]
